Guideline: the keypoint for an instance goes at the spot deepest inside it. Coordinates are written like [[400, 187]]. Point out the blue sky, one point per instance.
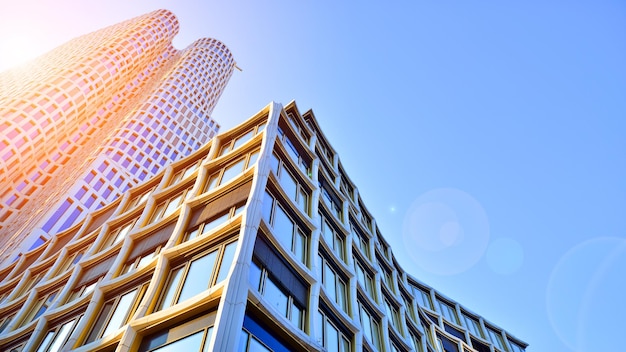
[[486, 137]]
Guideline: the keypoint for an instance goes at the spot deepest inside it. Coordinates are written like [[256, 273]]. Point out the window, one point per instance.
[[370, 326], [304, 165], [296, 127], [345, 187], [117, 235], [448, 311], [408, 304], [184, 172], [473, 326], [242, 139], [394, 316], [140, 261], [56, 337], [194, 335], [5, 321], [332, 338], [290, 184], [169, 206], [515, 347], [454, 331], [198, 274], [288, 233], [71, 260], [364, 278], [82, 291], [276, 294], [362, 241], [214, 222], [333, 238], [116, 312], [496, 338], [231, 170], [334, 284], [416, 342], [30, 283], [39, 308], [423, 297], [447, 345], [387, 276], [250, 343], [332, 202]]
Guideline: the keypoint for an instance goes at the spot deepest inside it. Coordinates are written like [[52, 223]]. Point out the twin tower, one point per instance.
[[96, 116]]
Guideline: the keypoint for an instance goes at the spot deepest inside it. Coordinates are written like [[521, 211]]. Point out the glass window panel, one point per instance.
[[289, 184], [366, 323], [46, 341], [268, 201], [104, 315], [215, 223], [275, 296], [172, 286], [256, 346], [212, 183], [243, 341], [329, 281], [341, 295], [173, 205], [345, 345], [190, 343], [496, 338], [119, 315], [227, 260], [332, 337], [255, 275], [283, 227], [300, 246], [243, 139], [61, 336], [232, 171], [296, 315], [274, 163], [207, 340], [191, 235], [319, 327], [253, 157], [303, 200], [198, 277]]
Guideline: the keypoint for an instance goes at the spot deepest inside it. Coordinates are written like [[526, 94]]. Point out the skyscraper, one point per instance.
[[258, 241], [99, 115]]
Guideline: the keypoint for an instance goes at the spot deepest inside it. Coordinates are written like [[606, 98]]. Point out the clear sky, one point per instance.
[[487, 138]]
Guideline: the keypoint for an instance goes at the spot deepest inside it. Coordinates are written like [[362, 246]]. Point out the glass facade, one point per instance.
[[257, 242]]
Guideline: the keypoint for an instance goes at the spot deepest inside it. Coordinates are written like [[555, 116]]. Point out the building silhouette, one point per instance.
[[96, 116], [257, 241]]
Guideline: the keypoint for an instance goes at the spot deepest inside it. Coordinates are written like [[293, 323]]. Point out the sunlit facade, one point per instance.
[[257, 241], [96, 116]]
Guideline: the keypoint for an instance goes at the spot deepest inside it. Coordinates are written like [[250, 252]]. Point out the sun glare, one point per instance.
[[16, 49]]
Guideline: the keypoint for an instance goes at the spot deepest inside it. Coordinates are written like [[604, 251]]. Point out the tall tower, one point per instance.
[[97, 115]]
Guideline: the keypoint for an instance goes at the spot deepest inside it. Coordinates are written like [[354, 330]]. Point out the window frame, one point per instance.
[[216, 178], [298, 230], [184, 269], [341, 296], [291, 303], [139, 290]]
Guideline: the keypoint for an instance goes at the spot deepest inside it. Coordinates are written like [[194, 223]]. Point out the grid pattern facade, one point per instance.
[[97, 116], [258, 241]]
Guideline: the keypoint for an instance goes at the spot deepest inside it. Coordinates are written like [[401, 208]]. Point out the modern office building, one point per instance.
[[257, 241], [96, 116]]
